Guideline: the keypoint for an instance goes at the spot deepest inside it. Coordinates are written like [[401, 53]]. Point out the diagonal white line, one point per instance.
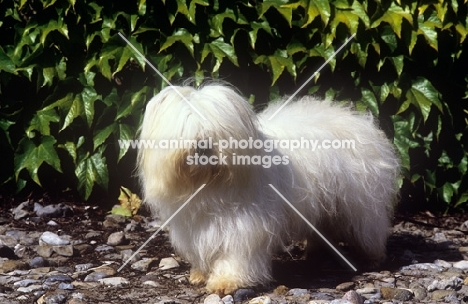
[[313, 228], [160, 74], [313, 75], [160, 228]]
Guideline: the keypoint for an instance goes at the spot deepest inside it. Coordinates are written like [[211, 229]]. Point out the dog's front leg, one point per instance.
[[226, 276]]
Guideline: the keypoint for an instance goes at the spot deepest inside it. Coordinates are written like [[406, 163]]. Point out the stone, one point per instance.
[[58, 278], [212, 299], [442, 263], [243, 294], [30, 288], [143, 265], [168, 263], [83, 267], [104, 269], [396, 294], [461, 265], [53, 239], [26, 283], [66, 250], [114, 281], [441, 294], [53, 211], [8, 241], [228, 299], [345, 286], [418, 290], [20, 212], [298, 292], [353, 297], [116, 238], [37, 262], [95, 276], [104, 248], [45, 251], [261, 300], [11, 265], [446, 283]]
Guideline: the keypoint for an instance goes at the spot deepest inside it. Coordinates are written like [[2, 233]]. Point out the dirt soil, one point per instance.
[[413, 241]]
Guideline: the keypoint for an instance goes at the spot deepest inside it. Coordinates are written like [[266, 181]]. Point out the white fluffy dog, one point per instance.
[[232, 227]]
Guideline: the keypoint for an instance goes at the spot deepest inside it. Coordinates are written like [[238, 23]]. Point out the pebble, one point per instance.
[[26, 282], [398, 294], [143, 265], [53, 211], [228, 299], [441, 294], [461, 264], [116, 238], [95, 276], [345, 286], [353, 297], [114, 281], [243, 294], [168, 263], [261, 300], [298, 292], [51, 238], [213, 299], [21, 212], [83, 267], [446, 283], [11, 265], [8, 241]]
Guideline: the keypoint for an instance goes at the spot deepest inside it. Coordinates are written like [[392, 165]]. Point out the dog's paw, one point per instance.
[[197, 277], [222, 285]]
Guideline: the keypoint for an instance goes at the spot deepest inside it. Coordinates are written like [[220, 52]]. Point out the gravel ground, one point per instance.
[[69, 253]]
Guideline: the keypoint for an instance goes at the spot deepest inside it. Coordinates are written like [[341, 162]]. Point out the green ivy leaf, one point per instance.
[[75, 110], [316, 8], [128, 53], [424, 96], [284, 7], [181, 35], [32, 157], [390, 39], [219, 49], [91, 170], [447, 192], [6, 64], [369, 99], [41, 121], [277, 63], [130, 101], [427, 29], [403, 138], [126, 132], [100, 136], [70, 147], [216, 23], [63, 103], [54, 25], [394, 17], [256, 26], [347, 17], [88, 97]]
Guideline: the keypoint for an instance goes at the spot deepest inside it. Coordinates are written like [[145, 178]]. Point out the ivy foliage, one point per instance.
[[71, 87]]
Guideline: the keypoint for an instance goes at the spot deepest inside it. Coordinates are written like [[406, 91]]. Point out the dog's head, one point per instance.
[[190, 123]]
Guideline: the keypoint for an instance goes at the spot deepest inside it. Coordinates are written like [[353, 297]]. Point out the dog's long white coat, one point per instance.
[[232, 227]]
